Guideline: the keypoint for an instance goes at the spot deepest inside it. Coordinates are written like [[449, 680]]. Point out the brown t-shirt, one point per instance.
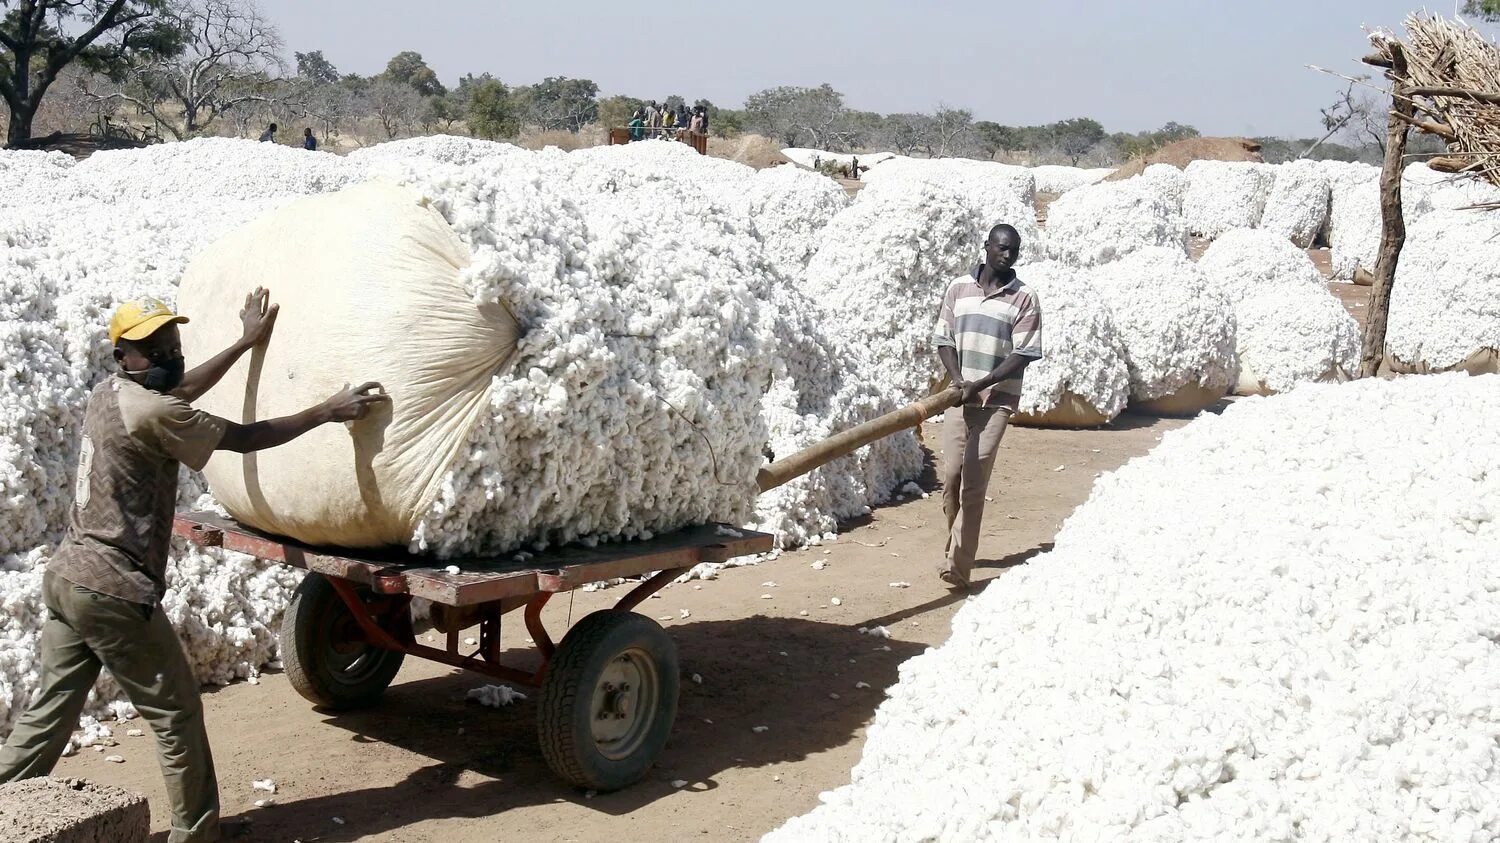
[[126, 494]]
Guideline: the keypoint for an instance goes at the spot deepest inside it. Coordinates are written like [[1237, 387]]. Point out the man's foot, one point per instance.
[[953, 579]]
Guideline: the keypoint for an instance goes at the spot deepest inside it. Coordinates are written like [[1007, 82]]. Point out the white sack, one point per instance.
[[374, 294]]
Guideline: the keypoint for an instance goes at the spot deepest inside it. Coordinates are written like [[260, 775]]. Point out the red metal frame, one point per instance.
[[484, 584]]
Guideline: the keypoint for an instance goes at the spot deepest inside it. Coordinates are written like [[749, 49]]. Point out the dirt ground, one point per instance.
[[425, 764]]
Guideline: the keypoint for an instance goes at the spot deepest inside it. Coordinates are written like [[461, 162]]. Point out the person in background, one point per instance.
[[638, 125], [668, 119], [104, 585], [696, 124], [989, 329], [653, 118], [703, 109], [269, 135], [309, 142], [684, 120]]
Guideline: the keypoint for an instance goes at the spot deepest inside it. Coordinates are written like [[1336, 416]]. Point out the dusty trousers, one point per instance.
[[971, 437], [86, 630]]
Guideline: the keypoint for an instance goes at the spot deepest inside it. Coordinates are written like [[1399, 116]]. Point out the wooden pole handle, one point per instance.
[[856, 437]]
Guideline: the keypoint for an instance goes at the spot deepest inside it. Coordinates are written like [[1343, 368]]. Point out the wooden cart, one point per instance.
[[608, 691]]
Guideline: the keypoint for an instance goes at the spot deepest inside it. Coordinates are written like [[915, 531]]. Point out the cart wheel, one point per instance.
[[325, 654], [608, 700]]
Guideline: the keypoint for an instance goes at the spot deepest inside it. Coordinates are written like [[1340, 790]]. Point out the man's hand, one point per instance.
[[258, 317], [971, 391], [355, 402]]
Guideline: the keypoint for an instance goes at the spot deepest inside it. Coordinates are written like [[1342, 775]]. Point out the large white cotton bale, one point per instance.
[[880, 272], [445, 149], [999, 193], [1445, 303], [1082, 379], [209, 167], [1176, 668], [1297, 206], [1058, 179], [1289, 329], [1225, 194], [29, 175], [788, 208], [39, 407], [1099, 223], [1177, 329], [385, 303]]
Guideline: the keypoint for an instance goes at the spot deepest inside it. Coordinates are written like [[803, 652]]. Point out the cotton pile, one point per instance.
[[998, 193], [1082, 379], [1225, 194], [1177, 329], [1098, 223], [1052, 178], [656, 321], [1288, 328], [1445, 304], [880, 271], [788, 208], [1174, 669], [1297, 206]]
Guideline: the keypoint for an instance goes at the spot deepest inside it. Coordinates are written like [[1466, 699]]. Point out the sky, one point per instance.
[[1226, 68]]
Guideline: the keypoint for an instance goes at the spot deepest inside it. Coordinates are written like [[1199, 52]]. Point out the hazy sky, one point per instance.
[[1228, 68]]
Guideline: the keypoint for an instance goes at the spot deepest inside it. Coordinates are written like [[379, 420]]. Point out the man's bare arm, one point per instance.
[[258, 318], [349, 405]]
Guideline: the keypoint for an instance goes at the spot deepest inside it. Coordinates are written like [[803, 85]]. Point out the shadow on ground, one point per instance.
[[757, 671]]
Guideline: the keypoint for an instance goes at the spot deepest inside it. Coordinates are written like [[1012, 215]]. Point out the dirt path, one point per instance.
[[427, 765]]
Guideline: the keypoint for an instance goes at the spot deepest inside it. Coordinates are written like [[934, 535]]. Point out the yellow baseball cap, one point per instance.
[[138, 319]]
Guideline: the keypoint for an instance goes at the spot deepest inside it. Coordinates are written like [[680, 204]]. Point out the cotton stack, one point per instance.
[[1297, 206], [1225, 194], [880, 271], [1288, 328], [1445, 304], [1099, 223], [1082, 379], [998, 193], [1178, 331], [1176, 670], [1055, 179]]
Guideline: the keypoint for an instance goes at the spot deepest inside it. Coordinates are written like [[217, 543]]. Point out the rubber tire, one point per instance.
[[305, 656], [564, 716]]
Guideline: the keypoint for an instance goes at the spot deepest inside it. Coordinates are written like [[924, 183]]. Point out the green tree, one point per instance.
[[616, 111], [1487, 9], [558, 102], [1075, 137], [800, 116], [38, 38], [492, 111], [316, 69], [408, 68]]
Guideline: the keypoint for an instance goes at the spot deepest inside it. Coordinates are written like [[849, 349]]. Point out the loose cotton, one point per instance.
[[1178, 669]]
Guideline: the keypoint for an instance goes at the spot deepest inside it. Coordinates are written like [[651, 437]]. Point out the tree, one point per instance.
[[1075, 137], [993, 137], [316, 69], [398, 107], [38, 38], [229, 60], [950, 132], [1487, 9], [408, 68], [799, 116], [905, 133], [492, 112], [559, 103], [617, 110]]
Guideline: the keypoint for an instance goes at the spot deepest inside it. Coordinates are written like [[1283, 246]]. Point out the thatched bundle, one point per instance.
[[1454, 76]]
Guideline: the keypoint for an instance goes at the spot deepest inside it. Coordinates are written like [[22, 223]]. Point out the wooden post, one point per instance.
[[1393, 223]]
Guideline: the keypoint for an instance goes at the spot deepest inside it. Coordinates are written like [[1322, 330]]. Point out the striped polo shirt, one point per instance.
[[987, 329]]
